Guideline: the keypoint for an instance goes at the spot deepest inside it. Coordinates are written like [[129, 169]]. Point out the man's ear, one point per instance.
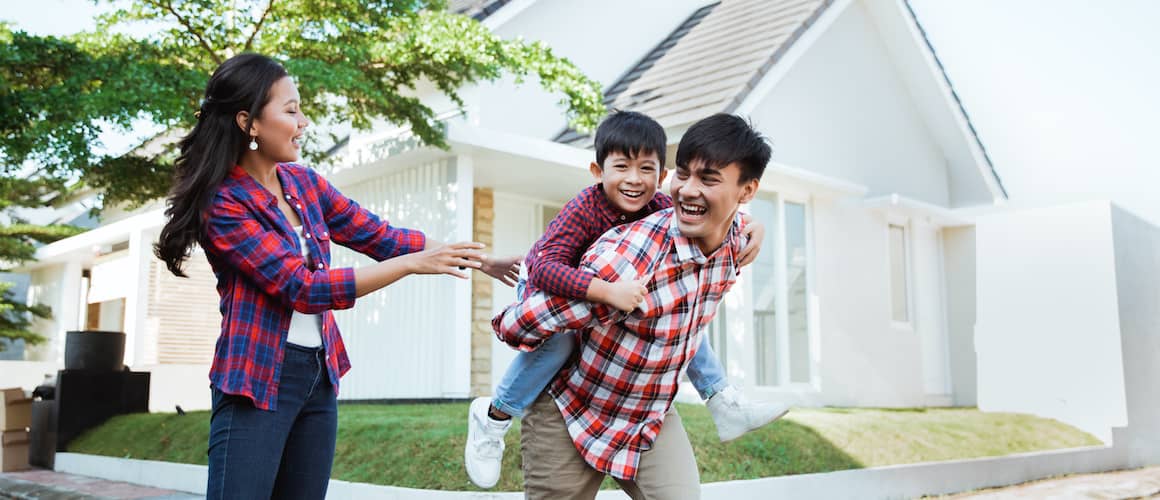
[[243, 121], [749, 190], [597, 172]]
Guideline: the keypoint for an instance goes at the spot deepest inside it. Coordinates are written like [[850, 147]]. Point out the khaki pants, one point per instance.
[[553, 469]]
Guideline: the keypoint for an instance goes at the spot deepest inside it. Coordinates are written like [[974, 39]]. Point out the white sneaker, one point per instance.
[[483, 453], [735, 415]]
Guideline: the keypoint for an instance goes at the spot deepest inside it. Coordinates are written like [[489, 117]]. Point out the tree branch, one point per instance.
[[258, 26], [180, 19]]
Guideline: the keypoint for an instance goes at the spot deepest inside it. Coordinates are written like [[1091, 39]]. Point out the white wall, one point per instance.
[[929, 315], [401, 339], [866, 360], [604, 38], [1137, 274], [959, 246], [59, 287], [25, 374], [1048, 333], [844, 112], [171, 385]]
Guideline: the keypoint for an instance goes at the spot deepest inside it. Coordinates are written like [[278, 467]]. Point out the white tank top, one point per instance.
[[305, 329]]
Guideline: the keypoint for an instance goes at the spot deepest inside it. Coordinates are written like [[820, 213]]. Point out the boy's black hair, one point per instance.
[[631, 134], [722, 139]]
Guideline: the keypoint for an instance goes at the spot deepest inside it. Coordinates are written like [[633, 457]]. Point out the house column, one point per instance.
[[137, 349], [481, 297], [457, 383]]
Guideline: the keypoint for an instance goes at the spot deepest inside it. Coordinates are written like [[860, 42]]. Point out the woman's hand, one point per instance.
[[451, 259], [504, 269]]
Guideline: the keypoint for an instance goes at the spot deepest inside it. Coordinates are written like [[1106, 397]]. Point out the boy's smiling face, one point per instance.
[[629, 183]]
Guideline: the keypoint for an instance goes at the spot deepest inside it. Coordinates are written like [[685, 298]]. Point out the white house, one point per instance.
[[864, 292]]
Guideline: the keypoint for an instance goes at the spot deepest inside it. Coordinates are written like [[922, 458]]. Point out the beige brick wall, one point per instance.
[[481, 333]]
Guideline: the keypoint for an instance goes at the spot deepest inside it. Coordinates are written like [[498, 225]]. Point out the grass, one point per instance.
[[421, 446]]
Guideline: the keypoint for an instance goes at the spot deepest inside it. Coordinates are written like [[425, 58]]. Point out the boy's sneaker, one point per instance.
[[484, 450], [735, 415]]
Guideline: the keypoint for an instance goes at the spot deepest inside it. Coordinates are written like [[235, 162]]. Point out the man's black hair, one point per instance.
[[722, 139]]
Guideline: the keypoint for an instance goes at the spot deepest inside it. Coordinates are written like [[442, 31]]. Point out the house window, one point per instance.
[[781, 276], [797, 302], [899, 294]]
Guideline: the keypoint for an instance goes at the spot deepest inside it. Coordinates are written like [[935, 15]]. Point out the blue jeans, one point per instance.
[[285, 453], [531, 372]]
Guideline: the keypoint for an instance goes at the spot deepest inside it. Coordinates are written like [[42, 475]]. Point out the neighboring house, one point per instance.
[[863, 294]]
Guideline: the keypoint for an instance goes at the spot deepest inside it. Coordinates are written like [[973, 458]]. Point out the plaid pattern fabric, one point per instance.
[[614, 397], [552, 263], [263, 277]]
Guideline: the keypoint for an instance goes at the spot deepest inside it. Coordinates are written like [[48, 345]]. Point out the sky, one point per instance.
[[1065, 94]]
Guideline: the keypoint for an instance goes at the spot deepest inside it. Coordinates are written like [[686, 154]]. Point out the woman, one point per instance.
[[266, 226]]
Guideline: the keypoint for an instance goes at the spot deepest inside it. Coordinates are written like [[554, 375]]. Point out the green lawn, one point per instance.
[[421, 446]]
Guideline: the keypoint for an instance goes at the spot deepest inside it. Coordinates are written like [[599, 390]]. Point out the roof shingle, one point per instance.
[[477, 9], [711, 62]]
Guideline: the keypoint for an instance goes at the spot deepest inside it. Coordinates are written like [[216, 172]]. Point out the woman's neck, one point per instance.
[[263, 171]]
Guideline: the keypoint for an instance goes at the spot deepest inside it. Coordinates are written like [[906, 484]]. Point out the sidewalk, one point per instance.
[[1138, 483], [50, 485]]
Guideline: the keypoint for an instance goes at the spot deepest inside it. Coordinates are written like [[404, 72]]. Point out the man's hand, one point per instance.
[[504, 269], [626, 295], [755, 232]]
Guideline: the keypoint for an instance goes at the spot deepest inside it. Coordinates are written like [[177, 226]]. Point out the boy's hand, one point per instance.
[[755, 232], [504, 269], [626, 295]]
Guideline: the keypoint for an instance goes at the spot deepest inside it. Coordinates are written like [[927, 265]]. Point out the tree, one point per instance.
[[17, 244], [353, 59]]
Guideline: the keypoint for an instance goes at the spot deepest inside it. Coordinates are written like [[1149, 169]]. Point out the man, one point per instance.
[[610, 412]]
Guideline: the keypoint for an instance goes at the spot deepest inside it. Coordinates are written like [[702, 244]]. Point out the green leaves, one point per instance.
[[355, 62]]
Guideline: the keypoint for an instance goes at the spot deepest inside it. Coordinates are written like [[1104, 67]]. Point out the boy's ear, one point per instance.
[[664, 173], [749, 190], [597, 172]]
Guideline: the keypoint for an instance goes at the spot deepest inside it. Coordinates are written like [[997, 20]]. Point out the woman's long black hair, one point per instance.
[[212, 148]]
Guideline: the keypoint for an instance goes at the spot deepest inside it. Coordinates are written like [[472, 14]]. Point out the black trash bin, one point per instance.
[[42, 434], [94, 350]]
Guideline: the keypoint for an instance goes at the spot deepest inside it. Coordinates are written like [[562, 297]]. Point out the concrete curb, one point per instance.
[[897, 481]]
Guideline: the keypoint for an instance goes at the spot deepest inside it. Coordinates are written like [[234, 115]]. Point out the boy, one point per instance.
[[629, 168]]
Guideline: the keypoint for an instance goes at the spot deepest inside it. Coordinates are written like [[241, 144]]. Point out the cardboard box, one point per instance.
[[13, 451], [12, 394], [16, 415]]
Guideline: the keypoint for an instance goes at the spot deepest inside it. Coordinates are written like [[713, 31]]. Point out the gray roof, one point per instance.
[[711, 62], [478, 9]]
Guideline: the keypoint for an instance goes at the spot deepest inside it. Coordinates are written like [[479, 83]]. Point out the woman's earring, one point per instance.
[[253, 144]]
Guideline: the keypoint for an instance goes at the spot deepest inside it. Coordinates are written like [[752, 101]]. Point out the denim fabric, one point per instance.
[[706, 372], [285, 453], [532, 371]]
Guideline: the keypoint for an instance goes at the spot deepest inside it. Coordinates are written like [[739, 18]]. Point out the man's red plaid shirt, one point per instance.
[[614, 397]]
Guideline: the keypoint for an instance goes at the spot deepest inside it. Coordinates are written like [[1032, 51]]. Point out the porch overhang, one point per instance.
[[88, 245], [895, 204]]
